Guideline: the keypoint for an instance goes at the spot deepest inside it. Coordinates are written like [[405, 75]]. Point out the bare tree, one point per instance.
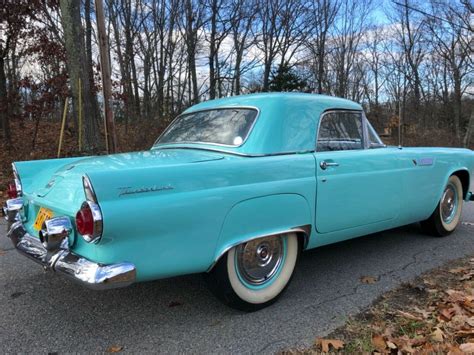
[[78, 71], [411, 36], [450, 43], [194, 20], [242, 16], [351, 26], [323, 13]]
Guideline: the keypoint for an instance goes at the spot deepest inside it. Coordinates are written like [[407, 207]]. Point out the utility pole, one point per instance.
[[110, 134]]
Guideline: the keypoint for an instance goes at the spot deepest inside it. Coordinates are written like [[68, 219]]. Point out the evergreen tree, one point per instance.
[[284, 78]]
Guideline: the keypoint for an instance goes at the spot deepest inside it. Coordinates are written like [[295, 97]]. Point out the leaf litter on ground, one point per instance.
[[432, 314]]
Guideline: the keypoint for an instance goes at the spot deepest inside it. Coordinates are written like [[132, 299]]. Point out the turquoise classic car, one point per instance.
[[235, 189]]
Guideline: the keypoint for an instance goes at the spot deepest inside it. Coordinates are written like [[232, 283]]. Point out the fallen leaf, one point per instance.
[[467, 348], [437, 335], [391, 345], [429, 282], [378, 342], [405, 346], [468, 305], [456, 296], [464, 333], [368, 279], [409, 316], [447, 313], [454, 350], [114, 349], [459, 270], [326, 343], [417, 341], [425, 314], [466, 277]]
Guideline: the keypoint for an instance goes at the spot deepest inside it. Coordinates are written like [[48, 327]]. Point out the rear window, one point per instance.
[[229, 126]]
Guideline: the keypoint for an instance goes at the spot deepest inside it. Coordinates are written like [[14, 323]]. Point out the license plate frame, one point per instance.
[[42, 215]]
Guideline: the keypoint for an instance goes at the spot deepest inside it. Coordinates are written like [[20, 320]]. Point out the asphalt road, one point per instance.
[[42, 312]]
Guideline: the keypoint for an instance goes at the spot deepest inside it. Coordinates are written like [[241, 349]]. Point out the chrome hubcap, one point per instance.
[[259, 260], [448, 204]]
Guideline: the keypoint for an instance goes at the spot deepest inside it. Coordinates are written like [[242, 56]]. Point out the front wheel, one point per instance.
[[447, 214], [254, 274]]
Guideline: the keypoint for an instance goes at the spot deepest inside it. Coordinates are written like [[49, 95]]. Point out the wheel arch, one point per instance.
[[282, 213], [463, 175]]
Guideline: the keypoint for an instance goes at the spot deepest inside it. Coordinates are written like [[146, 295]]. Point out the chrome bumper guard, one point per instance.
[[62, 260]]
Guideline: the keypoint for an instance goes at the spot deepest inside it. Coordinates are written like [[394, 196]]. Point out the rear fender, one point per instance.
[[36, 173], [264, 216]]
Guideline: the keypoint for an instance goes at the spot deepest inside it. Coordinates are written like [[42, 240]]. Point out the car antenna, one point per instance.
[[400, 125]]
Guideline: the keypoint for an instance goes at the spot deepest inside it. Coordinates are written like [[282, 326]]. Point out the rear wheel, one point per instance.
[[254, 274], [447, 214]]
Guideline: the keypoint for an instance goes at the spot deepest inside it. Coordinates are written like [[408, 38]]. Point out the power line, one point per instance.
[[433, 16]]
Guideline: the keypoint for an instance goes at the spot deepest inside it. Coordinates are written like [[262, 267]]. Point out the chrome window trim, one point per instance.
[[156, 144], [240, 154], [336, 110], [369, 125]]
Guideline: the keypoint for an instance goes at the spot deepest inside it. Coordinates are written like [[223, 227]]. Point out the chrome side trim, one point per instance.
[[77, 268], [156, 144], [305, 229], [88, 189]]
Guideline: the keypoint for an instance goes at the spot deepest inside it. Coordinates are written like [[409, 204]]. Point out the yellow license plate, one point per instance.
[[43, 215]]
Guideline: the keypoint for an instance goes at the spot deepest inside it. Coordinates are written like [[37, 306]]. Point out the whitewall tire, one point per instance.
[[447, 215], [254, 274]]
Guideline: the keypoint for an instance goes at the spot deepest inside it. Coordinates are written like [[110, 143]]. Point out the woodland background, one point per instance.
[[406, 61]]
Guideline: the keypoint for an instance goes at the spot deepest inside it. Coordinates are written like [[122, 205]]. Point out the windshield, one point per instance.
[[229, 126]]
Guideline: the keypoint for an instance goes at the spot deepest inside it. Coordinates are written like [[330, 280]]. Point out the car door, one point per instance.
[[358, 182]]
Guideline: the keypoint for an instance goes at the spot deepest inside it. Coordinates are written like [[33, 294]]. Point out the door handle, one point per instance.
[[325, 164]]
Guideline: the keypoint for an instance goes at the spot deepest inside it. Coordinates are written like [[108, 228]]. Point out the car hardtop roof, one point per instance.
[[257, 100]]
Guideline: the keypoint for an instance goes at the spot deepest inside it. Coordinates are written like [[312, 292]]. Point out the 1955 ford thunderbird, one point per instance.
[[234, 188]]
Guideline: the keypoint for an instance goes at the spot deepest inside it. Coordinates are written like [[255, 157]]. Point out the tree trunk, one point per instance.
[[90, 63], [4, 122], [77, 68], [106, 81], [125, 81], [191, 39], [266, 74], [457, 104], [212, 51], [469, 131]]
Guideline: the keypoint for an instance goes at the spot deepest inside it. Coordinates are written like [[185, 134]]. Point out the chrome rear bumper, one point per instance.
[[62, 260]]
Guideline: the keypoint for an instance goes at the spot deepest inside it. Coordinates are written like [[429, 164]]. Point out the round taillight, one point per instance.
[[12, 191], [89, 222], [85, 221]]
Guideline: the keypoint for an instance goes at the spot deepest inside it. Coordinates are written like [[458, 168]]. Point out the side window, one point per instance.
[[340, 130]]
